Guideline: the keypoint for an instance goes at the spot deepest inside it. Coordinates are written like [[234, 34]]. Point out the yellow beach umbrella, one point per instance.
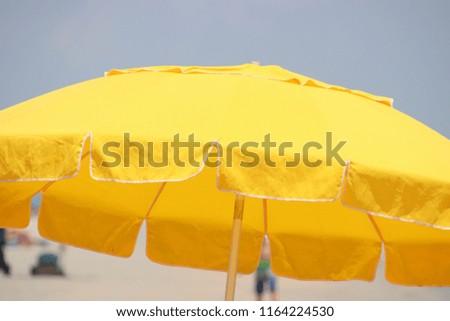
[[330, 174]]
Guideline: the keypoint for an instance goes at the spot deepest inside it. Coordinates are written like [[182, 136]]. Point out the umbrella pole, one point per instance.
[[234, 247]]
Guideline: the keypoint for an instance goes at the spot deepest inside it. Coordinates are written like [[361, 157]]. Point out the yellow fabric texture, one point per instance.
[[321, 241], [415, 255], [15, 203], [395, 167]]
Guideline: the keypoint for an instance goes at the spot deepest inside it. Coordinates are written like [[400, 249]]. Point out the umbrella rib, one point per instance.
[[155, 199], [375, 225]]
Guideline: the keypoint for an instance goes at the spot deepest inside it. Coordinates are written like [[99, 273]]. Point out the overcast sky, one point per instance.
[[394, 48]]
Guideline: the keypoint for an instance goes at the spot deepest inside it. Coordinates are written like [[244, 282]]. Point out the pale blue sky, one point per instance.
[[396, 48]]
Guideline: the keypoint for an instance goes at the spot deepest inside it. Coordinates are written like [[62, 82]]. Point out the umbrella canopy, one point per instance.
[[163, 145]]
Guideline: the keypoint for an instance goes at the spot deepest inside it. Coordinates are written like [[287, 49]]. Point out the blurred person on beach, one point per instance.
[[3, 265], [264, 275]]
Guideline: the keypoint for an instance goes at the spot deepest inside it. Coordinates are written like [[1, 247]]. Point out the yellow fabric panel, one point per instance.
[[42, 157], [415, 255], [321, 241], [398, 166], [190, 225], [301, 182], [416, 199], [149, 160], [99, 216], [289, 115], [15, 203], [380, 138], [181, 105]]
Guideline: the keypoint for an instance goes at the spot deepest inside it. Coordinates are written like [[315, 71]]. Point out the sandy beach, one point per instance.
[[94, 276]]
